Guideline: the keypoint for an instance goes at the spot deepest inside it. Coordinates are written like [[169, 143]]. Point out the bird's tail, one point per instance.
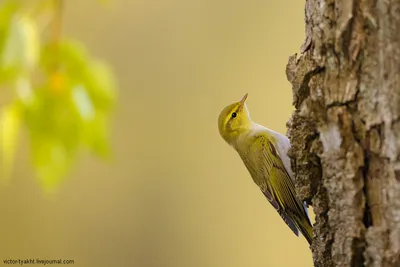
[[306, 230]]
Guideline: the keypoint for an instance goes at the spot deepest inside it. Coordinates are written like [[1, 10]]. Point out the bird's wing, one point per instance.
[[276, 184]]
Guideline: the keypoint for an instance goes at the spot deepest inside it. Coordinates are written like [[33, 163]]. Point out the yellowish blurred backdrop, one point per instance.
[[175, 194]]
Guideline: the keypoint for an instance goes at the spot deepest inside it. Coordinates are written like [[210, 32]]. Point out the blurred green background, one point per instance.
[[174, 194]]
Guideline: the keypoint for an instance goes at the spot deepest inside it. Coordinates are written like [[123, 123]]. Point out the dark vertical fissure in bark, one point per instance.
[[345, 131]]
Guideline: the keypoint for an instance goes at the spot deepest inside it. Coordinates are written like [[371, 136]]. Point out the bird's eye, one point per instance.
[[234, 114]]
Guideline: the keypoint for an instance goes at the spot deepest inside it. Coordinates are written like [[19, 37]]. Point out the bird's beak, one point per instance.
[[242, 102]]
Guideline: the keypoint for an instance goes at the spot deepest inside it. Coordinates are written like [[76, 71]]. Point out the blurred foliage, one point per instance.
[[62, 96]]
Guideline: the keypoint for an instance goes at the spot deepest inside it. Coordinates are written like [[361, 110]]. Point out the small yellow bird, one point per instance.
[[264, 152]]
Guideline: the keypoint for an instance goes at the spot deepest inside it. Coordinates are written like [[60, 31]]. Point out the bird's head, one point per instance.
[[234, 120]]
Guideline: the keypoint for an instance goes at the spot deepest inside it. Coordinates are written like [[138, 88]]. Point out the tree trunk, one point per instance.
[[345, 131]]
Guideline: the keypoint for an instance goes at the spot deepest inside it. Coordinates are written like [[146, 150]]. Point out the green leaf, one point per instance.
[[51, 160], [24, 92], [10, 121], [83, 103], [96, 135], [101, 85], [71, 56], [21, 48], [7, 10]]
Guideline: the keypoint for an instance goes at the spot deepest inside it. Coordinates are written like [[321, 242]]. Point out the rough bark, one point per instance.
[[345, 130]]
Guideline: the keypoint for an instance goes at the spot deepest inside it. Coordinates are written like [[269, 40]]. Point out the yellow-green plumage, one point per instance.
[[264, 153]]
